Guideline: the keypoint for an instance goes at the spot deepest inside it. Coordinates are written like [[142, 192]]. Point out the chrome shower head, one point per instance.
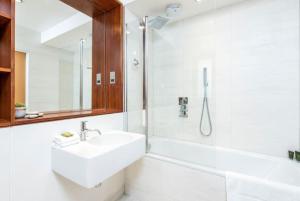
[[171, 11], [158, 22]]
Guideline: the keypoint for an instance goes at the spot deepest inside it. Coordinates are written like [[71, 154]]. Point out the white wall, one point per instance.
[[252, 52], [43, 82], [25, 158], [260, 72], [5, 161], [66, 85]]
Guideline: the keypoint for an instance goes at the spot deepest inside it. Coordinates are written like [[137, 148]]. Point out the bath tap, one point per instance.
[[84, 130]]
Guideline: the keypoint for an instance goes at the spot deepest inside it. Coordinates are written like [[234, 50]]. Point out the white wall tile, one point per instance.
[[252, 51], [260, 90]]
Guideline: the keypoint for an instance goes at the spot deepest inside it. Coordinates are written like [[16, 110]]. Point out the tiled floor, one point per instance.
[[127, 198]]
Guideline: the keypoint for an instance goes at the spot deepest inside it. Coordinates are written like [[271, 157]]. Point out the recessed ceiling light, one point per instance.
[[19, 1], [199, 1]]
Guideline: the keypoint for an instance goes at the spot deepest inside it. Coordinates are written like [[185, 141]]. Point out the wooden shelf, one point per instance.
[[5, 70], [4, 18], [4, 15], [4, 123], [7, 26], [63, 115]]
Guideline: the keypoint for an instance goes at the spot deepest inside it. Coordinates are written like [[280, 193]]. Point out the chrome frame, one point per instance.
[[125, 77], [81, 74], [146, 79]]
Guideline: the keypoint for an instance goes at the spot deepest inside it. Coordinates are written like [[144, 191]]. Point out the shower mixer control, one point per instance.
[[98, 79], [183, 109], [112, 77]]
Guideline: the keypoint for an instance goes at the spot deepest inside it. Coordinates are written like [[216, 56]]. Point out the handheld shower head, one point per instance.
[[205, 80], [205, 106]]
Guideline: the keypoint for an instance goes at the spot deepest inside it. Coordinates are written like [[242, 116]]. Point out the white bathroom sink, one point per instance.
[[89, 163], [113, 139]]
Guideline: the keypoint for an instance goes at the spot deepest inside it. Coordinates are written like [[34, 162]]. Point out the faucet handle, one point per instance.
[[83, 125]]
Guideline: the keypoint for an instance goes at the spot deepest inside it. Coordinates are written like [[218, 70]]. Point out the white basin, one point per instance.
[[89, 163]]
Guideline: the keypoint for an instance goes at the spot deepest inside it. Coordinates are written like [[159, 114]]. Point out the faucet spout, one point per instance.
[[95, 130], [84, 130]]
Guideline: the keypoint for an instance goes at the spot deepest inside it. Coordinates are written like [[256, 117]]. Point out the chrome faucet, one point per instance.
[[84, 130]]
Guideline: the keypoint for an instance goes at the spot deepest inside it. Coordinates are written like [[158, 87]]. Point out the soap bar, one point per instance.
[[31, 116], [67, 134]]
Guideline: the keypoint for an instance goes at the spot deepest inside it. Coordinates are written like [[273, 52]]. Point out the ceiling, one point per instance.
[[40, 15], [190, 8], [70, 40]]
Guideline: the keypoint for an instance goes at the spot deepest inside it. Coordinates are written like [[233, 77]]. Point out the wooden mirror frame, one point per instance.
[[107, 51]]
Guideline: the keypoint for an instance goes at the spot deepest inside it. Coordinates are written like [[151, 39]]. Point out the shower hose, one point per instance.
[[205, 106]]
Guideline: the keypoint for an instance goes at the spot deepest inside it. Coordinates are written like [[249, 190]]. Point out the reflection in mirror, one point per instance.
[[53, 66]]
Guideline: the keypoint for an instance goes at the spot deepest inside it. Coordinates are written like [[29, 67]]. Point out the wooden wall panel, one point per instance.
[[12, 62], [98, 91], [92, 8], [5, 78], [108, 57], [5, 98], [7, 61], [5, 7], [114, 58], [106, 5], [5, 45]]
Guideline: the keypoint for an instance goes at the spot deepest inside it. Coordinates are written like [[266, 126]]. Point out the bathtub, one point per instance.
[[204, 169]]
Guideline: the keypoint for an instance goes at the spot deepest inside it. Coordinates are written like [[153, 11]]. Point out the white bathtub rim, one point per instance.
[[243, 152], [267, 182], [187, 164], [278, 160]]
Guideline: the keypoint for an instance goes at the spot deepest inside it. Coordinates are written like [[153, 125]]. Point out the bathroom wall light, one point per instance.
[[198, 1]]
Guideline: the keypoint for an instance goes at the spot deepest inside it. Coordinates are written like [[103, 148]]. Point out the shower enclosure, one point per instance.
[[215, 88], [165, 90], [249, 53]]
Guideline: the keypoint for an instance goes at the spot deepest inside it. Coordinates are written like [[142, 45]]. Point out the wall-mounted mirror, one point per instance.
[[53, 58]]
